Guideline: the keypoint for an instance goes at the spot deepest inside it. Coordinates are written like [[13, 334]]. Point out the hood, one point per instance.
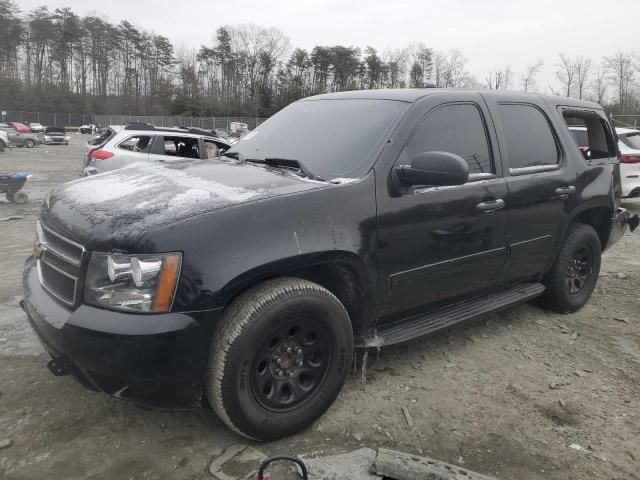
[[54, 131], [111, 211]]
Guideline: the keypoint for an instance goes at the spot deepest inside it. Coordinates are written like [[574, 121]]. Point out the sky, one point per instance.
[[490, 33]]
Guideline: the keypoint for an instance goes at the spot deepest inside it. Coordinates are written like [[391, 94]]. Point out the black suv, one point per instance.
[[249, 279]]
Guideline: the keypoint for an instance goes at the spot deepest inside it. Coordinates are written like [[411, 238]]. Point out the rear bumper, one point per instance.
[[621, 221], [152, 360]]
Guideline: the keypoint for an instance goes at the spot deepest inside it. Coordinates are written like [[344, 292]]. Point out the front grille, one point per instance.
[[59, 265]]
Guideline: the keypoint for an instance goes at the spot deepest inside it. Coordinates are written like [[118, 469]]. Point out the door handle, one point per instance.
[[564, 192], [490, 207]]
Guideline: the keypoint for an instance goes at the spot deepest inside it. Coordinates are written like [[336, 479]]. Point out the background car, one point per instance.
[[120, 146], [55, 136], [36, 127], [4, 141], [629, 145], [28, 140], [20, 127], [89, 128]]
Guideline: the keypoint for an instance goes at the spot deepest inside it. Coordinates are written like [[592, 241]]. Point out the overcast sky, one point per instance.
[[490, 33]]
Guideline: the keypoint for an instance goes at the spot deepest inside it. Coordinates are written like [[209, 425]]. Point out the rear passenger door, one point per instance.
[[539, 181]]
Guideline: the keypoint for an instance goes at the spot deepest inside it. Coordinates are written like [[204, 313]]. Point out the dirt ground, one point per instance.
[[522, 394]]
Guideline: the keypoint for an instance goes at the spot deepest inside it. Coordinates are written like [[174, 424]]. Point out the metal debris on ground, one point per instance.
[[355, 465], [238, 462], [402, 466], [407, 416]]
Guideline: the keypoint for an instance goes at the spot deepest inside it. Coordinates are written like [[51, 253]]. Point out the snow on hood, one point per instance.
[[131, 200]]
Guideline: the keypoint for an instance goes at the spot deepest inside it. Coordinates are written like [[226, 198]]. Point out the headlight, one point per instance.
[[67, 138], [139, 283], [47, 138]]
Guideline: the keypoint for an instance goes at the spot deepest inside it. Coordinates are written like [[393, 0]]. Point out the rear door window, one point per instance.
[[136, 143], [529, 139], [177, 146], [454, 128]]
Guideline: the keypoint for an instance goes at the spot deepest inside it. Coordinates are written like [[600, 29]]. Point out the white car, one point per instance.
[[4, 141], [629, 145]]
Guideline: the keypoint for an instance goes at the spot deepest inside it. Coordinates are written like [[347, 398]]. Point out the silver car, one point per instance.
[[118, 147]]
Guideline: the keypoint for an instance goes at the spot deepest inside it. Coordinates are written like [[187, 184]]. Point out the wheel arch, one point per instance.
[[343, 273], [598, 216]]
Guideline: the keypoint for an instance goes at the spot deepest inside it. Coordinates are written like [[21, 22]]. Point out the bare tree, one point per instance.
[[582, 69], [600, 84], [622, 72], [529, 78], [566, 74], [499, 79]]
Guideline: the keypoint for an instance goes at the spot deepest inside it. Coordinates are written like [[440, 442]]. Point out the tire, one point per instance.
[[9, 196], [20, 197], [304, 326], [571, 280], [29, 143], [1, 146]]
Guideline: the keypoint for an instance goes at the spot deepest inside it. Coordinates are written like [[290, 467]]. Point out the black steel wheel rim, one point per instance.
[[291, 365], [580, 270]]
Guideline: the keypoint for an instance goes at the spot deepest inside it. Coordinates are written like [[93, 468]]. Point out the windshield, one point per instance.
[[631, 140], [332, 138]]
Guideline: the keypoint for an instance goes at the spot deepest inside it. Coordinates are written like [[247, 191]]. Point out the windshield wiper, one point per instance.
[[293, 165]]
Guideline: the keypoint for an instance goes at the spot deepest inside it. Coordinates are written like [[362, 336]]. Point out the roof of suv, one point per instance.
[[153, 130], [413, 94]]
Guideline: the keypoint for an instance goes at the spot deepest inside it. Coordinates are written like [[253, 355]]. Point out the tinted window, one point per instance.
[[186, 147], [631, 140], [455, 129], [332, 138], [529, 139]]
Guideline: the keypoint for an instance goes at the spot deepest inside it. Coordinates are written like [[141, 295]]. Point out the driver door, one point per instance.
[[440, 243]]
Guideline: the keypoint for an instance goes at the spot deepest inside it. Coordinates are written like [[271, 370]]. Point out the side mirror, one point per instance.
[[434, 169]]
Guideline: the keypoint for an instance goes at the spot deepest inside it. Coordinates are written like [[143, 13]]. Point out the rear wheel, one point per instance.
[[29, 143], [20, 197], [9, 196], [279, 358], [574, 274]]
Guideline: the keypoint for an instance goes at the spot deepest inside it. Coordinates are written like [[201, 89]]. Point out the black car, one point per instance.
[[247, 281]]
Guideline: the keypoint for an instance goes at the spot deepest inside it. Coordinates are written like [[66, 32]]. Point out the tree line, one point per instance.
[[59, 61]]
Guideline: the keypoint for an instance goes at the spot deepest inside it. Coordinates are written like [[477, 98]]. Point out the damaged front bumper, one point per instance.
[[152, 360], [622, 221]]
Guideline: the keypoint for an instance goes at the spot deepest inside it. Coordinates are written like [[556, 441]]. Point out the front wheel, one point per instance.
[[574, 274], [279, 358], [29, 143]]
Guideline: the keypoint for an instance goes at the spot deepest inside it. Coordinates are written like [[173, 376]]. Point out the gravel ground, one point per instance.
[[521, 394]]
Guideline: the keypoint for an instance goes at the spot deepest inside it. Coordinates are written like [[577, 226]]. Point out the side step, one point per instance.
[[424, 323]]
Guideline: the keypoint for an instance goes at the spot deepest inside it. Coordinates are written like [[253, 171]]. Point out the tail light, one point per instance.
[[624, 158], [100, 155]]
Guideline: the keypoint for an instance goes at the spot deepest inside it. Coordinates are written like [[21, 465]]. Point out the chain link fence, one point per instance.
[[77, 119]]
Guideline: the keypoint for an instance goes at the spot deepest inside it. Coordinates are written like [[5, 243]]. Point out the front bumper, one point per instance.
[[619, 224], [152, 360]]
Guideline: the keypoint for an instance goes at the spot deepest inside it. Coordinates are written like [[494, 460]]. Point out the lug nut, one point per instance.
[[300, 364], [278, 360], [279, 373], [289, 350]]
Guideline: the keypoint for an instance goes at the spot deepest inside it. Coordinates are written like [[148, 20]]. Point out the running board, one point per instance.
[[425, 323]]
